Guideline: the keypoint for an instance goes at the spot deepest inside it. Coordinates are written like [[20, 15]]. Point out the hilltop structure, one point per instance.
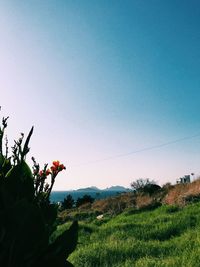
[[183, 180]]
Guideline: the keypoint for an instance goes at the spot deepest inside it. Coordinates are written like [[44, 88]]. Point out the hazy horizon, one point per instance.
[[108, 85]]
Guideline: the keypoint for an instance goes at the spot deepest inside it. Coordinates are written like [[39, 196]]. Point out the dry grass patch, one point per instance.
[[181, 194], [114, 205]]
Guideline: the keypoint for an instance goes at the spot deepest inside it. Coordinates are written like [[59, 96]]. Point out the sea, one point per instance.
[[58, 196]]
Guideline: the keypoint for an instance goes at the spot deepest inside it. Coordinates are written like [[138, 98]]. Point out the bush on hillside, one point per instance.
[[182, 194], [28, 219], [146, 202], [145, 186], [151, 189], [84, 200], [67, 203], [114, 205], [166, 187]]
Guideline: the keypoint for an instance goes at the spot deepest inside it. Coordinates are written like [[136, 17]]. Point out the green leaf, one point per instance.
[[1, 161], [60, 249], [26, 233], [6, 166], [49, 212], [66, 243], [19, 182]]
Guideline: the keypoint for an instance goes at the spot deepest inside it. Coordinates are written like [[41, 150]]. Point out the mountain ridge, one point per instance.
[[111, 188]]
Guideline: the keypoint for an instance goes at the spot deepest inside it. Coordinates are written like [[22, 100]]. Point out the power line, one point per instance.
[[139, 150]]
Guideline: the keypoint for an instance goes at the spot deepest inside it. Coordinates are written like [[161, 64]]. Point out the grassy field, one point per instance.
[[166, 236]]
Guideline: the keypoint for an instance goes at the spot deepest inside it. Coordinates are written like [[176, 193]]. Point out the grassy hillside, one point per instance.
[[166, 236], [139, 229]]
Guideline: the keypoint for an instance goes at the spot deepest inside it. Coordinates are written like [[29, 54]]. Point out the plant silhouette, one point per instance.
[[28, 219]]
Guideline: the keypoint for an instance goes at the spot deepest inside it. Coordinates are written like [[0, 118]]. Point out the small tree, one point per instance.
[[68, 202], [83, 200], [139, 184], [145, 186]]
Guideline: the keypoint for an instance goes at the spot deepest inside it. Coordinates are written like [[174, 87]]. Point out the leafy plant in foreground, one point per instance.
[[27, 218]]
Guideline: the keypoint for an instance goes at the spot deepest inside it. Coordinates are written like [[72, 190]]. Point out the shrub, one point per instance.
[[145, 186], [114, 205], [182, 194], [146, 202], [28, 219], [150, 189], [166, 187], [68, 202], [83, 200]]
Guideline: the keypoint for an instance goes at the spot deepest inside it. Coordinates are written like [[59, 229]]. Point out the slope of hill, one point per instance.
[[140, 229], [133, 232], [168, 236]]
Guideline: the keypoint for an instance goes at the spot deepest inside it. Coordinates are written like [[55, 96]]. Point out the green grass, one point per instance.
[[167, 236]]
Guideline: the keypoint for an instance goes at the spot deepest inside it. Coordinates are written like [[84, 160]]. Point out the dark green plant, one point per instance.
[[151, 189], [27, 218]]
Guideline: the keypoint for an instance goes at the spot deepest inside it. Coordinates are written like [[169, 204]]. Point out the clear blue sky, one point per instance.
[[103, 78]]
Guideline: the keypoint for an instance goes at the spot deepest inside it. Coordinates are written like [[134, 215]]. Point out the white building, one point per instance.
[[183, 180]]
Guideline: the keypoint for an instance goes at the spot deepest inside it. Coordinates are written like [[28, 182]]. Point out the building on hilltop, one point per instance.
[[184, 180]]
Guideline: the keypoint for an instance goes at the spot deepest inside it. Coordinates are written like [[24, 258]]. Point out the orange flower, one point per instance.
[[57, 167], [56, 163]]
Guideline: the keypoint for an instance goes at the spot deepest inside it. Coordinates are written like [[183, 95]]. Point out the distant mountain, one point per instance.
[[88, 189], [117, 188], [93, 191]]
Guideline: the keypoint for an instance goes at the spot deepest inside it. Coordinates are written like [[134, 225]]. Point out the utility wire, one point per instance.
[[139, 150]]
